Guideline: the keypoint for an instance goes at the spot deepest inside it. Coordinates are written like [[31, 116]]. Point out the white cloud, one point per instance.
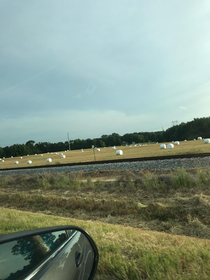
[[181, 107]]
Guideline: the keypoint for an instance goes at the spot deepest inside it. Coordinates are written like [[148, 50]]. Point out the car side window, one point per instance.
[[19, 258]]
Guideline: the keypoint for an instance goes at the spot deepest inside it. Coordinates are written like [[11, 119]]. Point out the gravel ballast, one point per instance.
[[166, 164]]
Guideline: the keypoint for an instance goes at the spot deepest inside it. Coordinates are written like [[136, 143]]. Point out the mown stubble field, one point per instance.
[[75, 156], [147, 224]]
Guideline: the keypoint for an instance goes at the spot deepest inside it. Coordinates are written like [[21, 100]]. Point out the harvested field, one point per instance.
[[75, 156], [176, 202], [147, 224]]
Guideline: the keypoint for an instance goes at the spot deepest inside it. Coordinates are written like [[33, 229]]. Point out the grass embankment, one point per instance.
[[125, 252], [175, 202], [189, 147]]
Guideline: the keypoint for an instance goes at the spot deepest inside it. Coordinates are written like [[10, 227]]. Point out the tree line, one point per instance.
[[190, 130]]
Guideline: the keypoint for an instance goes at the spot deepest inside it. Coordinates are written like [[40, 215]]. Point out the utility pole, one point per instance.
[[68, 141], [94, 152]]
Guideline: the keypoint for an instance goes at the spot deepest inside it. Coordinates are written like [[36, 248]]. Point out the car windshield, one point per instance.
[[105, 124]]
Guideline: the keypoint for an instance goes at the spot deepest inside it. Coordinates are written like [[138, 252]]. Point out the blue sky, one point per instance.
[[97, 67]]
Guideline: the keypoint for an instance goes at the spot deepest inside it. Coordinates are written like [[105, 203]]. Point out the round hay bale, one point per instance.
[[98, 150], [11, 156], [170, 146], [163, 146], [82, 150], [119, 152], [49, 160], [207, 141], [21, 157], [2, 160], [63, 156], [114, 148], [16, 162], [41, 155], [29, 161], [176, 143], [199, 138]]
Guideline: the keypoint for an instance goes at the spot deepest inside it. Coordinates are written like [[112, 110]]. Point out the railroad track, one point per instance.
[[183, 156]]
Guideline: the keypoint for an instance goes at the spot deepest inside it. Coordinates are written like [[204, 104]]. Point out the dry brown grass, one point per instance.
[[108, 154], [176, 202]]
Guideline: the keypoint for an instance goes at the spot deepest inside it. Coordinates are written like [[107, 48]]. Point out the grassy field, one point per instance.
[[108, 153], [147, 224], [175, 202], [125, 252]]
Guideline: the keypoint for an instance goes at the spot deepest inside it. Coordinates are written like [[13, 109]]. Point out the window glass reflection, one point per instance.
[[18, 258]]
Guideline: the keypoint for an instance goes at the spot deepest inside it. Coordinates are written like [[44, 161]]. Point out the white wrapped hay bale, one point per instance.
[[41, 155], [2, 160], [176, 143], [49, 160], [114, 148], [170, 146], [16, 162], [11, 156], [163, 146], [199, 138], [207, 141], [82, 150], [21, 157], [29, 161], [98, 150], [185, 140], [119, 152], [63, 156]]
